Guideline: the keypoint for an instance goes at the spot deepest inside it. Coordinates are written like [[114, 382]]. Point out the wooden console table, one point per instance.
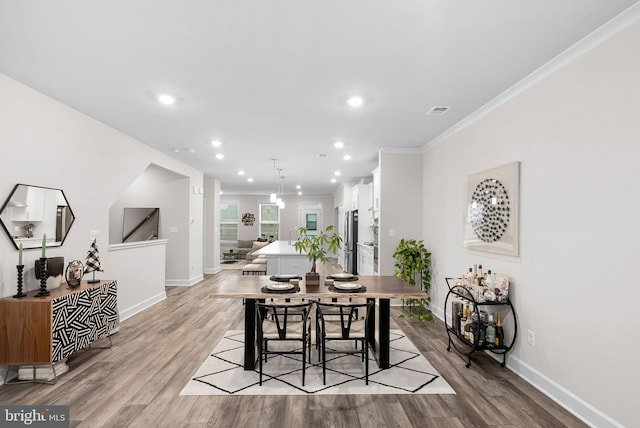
[[44, 330]]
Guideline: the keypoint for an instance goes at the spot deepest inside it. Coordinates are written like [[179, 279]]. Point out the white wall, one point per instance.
[[575, 283], [211, 226], [46, 143], [158, 187], [289, 217], [400, 204]]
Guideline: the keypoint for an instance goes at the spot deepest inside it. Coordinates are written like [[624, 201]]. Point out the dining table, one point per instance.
[[380, 289]]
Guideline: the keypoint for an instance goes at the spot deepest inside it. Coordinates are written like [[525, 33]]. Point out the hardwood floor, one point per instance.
[[136, 383]]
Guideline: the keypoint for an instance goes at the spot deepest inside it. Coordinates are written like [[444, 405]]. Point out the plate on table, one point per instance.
[[280, 286], [284, 277], [342, 276], [347, 286]]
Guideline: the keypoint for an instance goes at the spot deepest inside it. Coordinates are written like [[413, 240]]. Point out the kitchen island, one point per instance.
[[284, 258]]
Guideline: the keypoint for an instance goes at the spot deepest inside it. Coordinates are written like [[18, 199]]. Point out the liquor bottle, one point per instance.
[[463, 320], [480, 272], [490, 334], [468, 333], [499, 331], [474, 332], [468, 279], [490, 281]]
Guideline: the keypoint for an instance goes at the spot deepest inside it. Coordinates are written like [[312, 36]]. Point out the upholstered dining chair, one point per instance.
[[337, 322], [284, 322]]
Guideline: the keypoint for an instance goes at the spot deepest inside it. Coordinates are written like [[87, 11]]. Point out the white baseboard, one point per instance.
[[565, 398], [183, 282], [212, 271], [13, 373], [129, 312]]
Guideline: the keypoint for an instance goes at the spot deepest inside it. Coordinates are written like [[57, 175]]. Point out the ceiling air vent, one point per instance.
[[437, 111]]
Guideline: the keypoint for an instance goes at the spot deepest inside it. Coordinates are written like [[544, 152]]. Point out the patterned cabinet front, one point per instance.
[[83, 317]]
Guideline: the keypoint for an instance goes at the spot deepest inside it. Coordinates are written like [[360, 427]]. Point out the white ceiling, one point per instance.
[[270, 78]]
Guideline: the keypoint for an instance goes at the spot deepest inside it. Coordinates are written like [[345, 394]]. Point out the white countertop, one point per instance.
[[278, 248]]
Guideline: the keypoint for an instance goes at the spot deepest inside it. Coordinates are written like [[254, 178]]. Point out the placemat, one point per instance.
[[362, 289], [266, 290]]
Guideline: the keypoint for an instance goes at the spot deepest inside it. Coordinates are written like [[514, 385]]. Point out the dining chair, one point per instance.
[[283, 322], [337, 321]]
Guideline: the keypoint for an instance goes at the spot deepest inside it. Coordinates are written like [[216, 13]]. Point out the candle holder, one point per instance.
[[43, 278], [20, 273]]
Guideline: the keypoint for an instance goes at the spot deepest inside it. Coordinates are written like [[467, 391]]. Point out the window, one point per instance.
[[229, 221], [312, 222], [269, 221]]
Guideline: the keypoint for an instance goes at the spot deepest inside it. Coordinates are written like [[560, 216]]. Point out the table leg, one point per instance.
[[383, 333], [250, 334], [371, 327]]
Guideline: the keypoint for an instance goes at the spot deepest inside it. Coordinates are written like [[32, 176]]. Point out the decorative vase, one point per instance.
[[43, 278], [74, 273], [20, 293], [312, 278]]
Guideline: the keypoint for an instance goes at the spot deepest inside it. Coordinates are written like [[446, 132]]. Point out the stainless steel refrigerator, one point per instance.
[[350, 242]]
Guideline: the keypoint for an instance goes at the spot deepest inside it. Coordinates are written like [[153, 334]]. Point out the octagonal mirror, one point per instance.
[[30, 212]]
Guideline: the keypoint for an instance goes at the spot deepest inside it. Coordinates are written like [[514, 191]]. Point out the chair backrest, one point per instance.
[[345, 312], [281, 314]]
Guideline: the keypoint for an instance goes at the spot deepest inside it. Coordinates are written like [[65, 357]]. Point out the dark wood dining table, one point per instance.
[[378, 288]]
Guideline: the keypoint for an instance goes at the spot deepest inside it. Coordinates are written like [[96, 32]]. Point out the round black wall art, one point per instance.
[[490, 210]]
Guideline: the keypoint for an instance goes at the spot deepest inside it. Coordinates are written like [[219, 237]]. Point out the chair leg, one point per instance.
[[365, 345], [324, 361], [260, 358]]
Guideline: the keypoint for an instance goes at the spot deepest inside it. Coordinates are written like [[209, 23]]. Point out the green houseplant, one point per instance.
[[316, 247], [412, 263]]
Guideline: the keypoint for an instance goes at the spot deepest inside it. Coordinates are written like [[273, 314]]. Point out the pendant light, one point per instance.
[[279, 200], [273, 197]]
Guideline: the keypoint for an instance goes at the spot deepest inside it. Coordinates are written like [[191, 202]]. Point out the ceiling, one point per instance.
[[270, 79]]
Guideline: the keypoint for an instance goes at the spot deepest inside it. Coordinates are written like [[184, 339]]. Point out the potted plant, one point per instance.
[[412, 264], [316, 247]]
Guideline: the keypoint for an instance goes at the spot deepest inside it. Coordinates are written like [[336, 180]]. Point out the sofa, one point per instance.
[[246, 247]]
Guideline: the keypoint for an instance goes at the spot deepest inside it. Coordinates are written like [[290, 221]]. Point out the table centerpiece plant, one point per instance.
[[412, 263], [316, 248]]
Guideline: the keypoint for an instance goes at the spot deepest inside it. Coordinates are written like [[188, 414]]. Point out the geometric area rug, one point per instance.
[[222, 373]]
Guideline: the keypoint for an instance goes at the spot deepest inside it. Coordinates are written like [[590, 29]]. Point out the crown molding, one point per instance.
[[597, 37]]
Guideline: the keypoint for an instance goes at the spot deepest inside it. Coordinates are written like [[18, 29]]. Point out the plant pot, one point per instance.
[[312, 278]]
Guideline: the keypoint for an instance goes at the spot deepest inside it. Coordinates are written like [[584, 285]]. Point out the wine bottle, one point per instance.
[[499, 331], [463, 320], [490, 334]]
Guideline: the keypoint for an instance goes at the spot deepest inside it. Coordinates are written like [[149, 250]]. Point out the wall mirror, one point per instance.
[[33, 211]]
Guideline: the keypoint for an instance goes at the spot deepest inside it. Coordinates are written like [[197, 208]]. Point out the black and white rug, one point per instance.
[[222, 372]]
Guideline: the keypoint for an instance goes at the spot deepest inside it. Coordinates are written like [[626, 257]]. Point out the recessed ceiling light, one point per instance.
[[298, 186], [241, 172], [250, 180], [333, 180], [337, 173], [219, 156], [355, 101], [216, 143], [221, 192], [346, 157], [299, 193], [166, 99], [338, 144]]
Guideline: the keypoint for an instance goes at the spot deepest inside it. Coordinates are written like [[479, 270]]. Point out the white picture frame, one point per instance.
[[491, 210]]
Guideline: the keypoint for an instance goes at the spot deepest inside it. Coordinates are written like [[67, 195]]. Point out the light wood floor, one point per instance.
[[136, 383]]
